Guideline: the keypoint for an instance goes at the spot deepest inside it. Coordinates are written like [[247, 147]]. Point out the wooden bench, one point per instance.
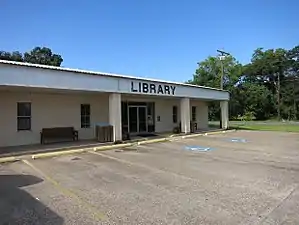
[[58, 134]]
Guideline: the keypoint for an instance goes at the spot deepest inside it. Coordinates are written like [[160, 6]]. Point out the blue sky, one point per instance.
[[161, 39]]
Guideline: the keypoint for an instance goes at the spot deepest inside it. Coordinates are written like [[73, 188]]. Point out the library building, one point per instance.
[[40, 102]]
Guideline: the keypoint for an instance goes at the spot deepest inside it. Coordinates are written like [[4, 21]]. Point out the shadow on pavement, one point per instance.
[[19, 207]]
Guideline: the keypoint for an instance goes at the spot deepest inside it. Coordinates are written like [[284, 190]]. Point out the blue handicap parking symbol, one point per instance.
[[241, 140], [198, 148]]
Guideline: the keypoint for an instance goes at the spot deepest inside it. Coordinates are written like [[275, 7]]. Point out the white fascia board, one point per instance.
[[12, 74]]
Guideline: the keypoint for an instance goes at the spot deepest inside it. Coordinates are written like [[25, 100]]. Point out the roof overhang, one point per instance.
[[41, 76]]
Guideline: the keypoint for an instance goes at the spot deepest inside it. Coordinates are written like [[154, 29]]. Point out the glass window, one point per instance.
[[174, 114], [24, 115], [193, 113], [85, 115]]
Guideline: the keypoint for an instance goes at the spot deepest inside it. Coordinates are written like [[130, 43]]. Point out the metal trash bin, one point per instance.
[[104, 132]]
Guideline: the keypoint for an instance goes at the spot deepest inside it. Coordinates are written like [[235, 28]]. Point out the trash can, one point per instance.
[[104, 132], [193, 127]]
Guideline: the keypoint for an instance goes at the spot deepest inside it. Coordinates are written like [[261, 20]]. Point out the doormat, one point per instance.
[[147, 135], [198, 148]]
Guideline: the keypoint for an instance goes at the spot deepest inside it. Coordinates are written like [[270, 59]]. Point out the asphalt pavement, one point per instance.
[[243, 177]]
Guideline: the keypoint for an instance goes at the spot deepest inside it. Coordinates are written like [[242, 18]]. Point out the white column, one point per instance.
[[185, 115], [115, 115], [224, 114]]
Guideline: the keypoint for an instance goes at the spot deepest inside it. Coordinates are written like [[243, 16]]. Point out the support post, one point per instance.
[[224, 114], [115, 115], [185, 115]]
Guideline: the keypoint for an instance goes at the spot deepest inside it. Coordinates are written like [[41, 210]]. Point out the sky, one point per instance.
[[161, 39]]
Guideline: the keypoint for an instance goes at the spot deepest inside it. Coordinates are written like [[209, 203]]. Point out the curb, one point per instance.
[[59, 153], [217, 132], [153, 141], [8, 159], [109, 147], [192, 135], [207, 133]]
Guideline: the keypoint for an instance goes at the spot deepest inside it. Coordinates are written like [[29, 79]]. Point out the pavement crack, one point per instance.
[[279, 204]]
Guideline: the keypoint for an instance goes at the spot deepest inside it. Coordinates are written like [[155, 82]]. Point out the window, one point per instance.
[[85, 115], [174, 114], [193, 113], [24, 115]]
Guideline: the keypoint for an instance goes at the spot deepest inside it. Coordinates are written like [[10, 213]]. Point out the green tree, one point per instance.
[[268, 68], [257, 99], [208, 74], [290, 89], [38, 55], [266, 87], [43, 56]]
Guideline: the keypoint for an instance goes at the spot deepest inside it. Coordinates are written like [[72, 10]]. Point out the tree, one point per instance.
[[43, 56], [38, 55], [268, 68], [208, 74], [256, 99], [292, 84], [266, 87]]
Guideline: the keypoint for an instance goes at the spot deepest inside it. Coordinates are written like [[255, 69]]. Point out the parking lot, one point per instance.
[[243, 177]]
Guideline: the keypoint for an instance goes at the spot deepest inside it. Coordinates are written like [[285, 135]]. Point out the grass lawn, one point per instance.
[[261, 125]]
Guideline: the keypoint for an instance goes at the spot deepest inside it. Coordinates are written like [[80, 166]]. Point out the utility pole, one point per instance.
[[280, 71], [294, 100], [278, 94], [222, 55]]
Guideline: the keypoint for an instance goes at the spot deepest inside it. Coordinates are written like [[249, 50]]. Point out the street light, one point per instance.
[[222, 55]]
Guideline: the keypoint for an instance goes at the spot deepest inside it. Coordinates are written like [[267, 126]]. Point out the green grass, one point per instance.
[[286, 128], [262, 125]]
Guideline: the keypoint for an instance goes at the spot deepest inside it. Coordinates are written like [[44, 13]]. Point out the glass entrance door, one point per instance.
[[142, 119], [137, 119], [133, 119]]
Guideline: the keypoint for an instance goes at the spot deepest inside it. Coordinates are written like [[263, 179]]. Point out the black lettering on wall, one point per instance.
[[166, 90], [172, 89], [160, 89], [144, 87], [132, 87], [153, 88]]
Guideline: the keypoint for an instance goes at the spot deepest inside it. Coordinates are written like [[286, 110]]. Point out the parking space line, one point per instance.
[[67, 192], [143, 166]]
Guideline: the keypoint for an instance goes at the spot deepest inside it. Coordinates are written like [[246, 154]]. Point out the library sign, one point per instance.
[[152, 88]]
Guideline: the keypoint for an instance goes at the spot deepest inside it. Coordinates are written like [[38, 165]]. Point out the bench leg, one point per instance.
[[41, 139], [75, 136]]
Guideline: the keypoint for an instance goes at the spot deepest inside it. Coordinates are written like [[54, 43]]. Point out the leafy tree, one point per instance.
[[291, 85], [268, 68], [208, 74], [266, 87], [37, 55], [257, 99], [43, 56]]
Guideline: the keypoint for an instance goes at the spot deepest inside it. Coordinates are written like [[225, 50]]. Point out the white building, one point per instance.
[[34, 97]]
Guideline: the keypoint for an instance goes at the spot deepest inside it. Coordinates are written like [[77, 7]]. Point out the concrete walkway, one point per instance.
[[85, 145]]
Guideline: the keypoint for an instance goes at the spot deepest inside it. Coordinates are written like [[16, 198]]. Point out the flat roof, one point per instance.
[[64, 69]]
